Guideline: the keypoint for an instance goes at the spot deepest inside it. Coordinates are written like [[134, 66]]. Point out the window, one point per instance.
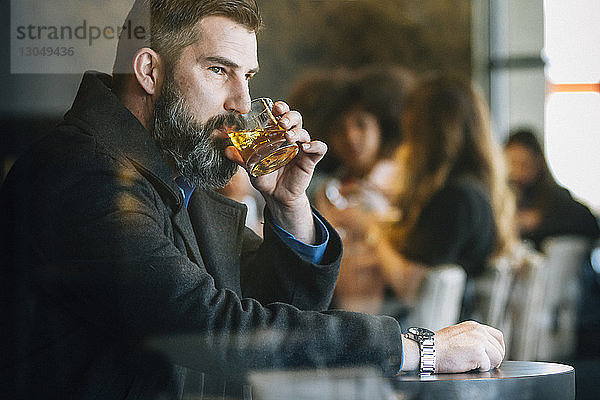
[[572, 112]]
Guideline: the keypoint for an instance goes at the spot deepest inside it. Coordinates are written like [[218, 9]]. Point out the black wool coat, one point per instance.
[[114, 290]]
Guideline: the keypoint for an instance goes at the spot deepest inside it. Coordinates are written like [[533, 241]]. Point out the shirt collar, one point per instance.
[[186, 188]]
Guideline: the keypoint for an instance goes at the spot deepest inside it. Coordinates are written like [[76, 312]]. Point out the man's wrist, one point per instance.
[[315, 252], [410, 354], [295, 218]]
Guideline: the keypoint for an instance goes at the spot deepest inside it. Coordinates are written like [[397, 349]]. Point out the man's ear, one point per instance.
[[147, 69]]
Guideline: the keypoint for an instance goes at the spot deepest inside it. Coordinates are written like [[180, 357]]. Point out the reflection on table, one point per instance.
[[513, 380]]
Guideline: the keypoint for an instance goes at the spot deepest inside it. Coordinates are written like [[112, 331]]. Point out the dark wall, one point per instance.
[[300, 35], [305, 34]]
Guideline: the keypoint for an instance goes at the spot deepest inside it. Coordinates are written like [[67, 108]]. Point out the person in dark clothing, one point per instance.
[[126, 276], [456, 227], [544, 207], [453, 202]]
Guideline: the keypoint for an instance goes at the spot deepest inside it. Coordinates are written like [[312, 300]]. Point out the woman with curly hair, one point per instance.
[[358, 113]]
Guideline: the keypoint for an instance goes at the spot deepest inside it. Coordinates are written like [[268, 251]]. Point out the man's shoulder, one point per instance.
[[68, 149], [67, 160]]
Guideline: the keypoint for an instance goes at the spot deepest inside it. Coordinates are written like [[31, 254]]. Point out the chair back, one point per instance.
[[440, 298], [565, 256], [492, 293], [525, 305]]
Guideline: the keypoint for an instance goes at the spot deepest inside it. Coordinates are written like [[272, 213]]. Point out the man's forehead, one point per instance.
[[223, 37]]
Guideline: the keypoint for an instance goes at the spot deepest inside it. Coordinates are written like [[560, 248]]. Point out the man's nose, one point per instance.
[[239, 99]]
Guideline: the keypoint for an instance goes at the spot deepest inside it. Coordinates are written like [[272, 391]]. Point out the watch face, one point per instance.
[[420, 331]]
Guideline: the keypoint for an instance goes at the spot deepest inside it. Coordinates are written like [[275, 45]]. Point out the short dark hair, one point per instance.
[[173, 21], [173, 27], [525, 137]]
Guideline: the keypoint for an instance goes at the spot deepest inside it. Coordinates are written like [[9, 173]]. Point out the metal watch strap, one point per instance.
[[427, 347], [426, 340]]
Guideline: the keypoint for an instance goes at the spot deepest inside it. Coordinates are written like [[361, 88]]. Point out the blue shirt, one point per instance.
[[310, 252], [314, 253]]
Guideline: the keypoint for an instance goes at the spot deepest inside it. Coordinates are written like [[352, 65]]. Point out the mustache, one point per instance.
[[229, 121]]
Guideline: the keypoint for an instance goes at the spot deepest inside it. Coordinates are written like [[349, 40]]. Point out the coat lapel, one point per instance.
[[183, 225], [217, 223]]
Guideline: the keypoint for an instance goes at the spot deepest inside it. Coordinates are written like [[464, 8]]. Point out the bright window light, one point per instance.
[[572, 113], [572, 143], [571, 48]]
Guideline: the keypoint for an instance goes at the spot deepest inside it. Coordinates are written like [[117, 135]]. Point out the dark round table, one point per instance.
[[513, 380], [521, 380]]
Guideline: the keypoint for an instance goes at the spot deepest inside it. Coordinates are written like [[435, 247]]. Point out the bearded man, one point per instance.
[[115, 244]]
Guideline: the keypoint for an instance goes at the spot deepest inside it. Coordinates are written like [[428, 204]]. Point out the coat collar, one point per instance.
[[99, 112]]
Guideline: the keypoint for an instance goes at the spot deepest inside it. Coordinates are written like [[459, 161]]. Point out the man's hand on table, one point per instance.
[[459, 348]]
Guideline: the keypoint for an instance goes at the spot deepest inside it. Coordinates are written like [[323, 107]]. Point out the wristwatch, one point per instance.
[[426, 340]]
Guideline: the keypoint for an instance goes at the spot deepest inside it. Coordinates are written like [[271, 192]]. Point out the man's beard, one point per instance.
[[197, 155]]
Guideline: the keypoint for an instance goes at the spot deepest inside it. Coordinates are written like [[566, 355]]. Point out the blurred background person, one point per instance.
[[360, 120], [317, 95], [545, 208], [453, 201], [367, 127]]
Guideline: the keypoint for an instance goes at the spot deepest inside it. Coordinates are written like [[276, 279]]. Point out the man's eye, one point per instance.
[[217, 70]]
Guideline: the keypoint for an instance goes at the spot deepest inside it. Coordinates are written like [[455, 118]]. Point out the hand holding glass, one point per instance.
[[260, 139]]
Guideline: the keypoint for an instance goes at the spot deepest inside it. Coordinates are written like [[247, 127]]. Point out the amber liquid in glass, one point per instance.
[[263, 150]]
